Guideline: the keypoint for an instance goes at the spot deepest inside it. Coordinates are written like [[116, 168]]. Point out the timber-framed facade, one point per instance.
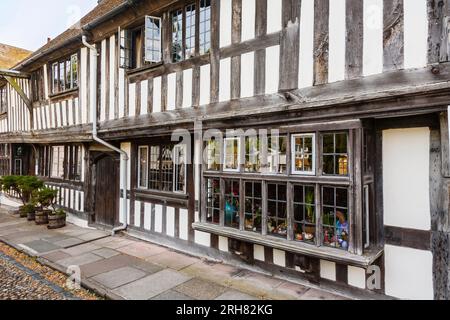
[[302, 148]]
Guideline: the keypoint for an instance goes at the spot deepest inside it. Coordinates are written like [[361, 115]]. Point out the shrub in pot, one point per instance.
[[28, 211], [46, 198], [57, 219]]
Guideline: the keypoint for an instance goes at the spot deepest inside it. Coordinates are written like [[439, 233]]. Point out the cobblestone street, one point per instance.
[[22, 278]]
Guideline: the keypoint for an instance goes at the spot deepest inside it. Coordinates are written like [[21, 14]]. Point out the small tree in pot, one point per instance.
[[45, 197], [57, 219], [27, 185]]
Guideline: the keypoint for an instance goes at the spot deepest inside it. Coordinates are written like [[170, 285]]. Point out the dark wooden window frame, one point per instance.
[[72, 168], [38, 85], [3, 100], [62, 87]]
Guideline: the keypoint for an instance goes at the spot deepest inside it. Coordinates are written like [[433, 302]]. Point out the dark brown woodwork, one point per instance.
[[354, 39], [321, 40], [393, 34]]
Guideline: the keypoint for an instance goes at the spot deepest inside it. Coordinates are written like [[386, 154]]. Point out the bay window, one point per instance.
[[65, 74], [293, 186]]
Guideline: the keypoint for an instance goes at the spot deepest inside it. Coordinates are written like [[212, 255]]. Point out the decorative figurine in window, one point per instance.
[[342, 230]]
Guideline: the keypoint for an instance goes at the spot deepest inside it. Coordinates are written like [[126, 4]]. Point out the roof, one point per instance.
[[104, 7], [10, 55]]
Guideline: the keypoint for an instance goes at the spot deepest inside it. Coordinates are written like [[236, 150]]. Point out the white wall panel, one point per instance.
[[248, 19], [112, 76], [272, 69], [187, 88], [157, 94], [306, 71], [336, 67], [137, 214], [144, 97], [158, 218], [171, 91], [184, 225], [83, 85], [328, 270], [148, 216], [406, 178], [103, 82], [373, 35], [416, 33], [248, 74], [225, 22], [205, 84], [225, 80], [170, 221], [132, 100], [274, 15], [203, 238]]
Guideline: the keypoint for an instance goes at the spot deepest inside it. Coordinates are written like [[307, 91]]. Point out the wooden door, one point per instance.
[[107, 190]]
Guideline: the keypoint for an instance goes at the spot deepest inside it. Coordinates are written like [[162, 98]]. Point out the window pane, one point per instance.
[[336, 228], [62, 76], [277, 210], [303, 153], [213, 155], [154, 174], [177, 35], [190, 31], [180, 169], [74, 71], [232, 147], [152, 40], [335, 154], [167, 168], [143, 167], [213, 201], [304, 213], [205, 26], [232, 205], [253, 206], [252, 154], [276, 159], [57, 170]]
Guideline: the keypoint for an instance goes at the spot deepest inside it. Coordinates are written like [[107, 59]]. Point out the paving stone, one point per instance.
[[106, 253], [201, 289], [56, 256], [84, 248], [258, 280], [57, 238], [172, 260], [106, 265], [69, 242], [151, 286], [172, 296], [119, 277], [142, 250], [93, 235], [150, 268], [41, 246], [314, 294], [234, 295], [115, 243], [80, 260], [293, 289]]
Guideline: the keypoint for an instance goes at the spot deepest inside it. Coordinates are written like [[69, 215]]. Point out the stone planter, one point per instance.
[[42, 217], [56, 221]]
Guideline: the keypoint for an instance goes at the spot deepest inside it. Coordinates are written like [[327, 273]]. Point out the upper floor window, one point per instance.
[[38, 85], [3, 100], [335, 154], [184, 30], [65, 74]]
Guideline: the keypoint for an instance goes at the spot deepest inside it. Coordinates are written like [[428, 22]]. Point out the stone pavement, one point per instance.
[[125, 268]]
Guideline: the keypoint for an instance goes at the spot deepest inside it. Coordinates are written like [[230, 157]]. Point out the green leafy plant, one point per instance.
[[45, 197], [27, 185], [10, 183], [60, 213]]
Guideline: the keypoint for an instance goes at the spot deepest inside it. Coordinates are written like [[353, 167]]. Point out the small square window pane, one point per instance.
[[341, 143], [328, 143], [328, 165]]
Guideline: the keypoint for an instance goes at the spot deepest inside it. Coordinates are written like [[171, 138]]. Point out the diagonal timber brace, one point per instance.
[[12, 81]]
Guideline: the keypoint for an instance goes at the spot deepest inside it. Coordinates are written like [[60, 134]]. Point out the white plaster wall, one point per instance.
[[83, 84], [77, 111], [406, 175], [132, 100], [205, 84], [225, 22], [184, 224], [203, 238], [137, 213], [306, 72], [157, 83], [279, 258], [274, 15], [223, 244], [187, 88], [71, 119], [258, 252], [272, 69], [336, 66], [247, 74], [171, 91], [225, 80], [416, 33], [121, 93], [328, 270], [373, 36], [103, 81], [170, 221], [148, 216], [64, 112], [144, 97], [356, 277], [248, 19], [158, 218], [112, 76], [408, 273]]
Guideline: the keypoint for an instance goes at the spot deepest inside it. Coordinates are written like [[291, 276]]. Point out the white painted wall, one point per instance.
[[279, 258], [408, 273], [406, 178], [112, 76], [416, 33], [328, 270], [336, 66], [203, 238], [225, 80], [258, 252], [137, 213], [158, 218], [248, 73], [205, 84], [148, 216], [187, 88], [274, 15], [225, 22], [170, 221], [184, 225], [373, 37], [248, 19], [144, 97], [157, 83], [306, 72], [103, 82], [171, 91], [356, 277], [272, 69], [132, 100]]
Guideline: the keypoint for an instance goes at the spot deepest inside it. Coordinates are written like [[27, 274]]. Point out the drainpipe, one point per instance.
[[124, 156]]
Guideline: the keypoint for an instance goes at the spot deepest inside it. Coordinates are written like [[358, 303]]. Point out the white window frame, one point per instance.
[[139, 167], [225, 169], [175, 158], [293, 154], [146, 27]]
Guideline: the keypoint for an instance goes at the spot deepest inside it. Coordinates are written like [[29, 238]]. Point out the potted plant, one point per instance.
[[26, 186], [57, 219], [46, 198]]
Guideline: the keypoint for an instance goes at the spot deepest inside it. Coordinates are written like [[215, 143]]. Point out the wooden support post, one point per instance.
[[354, 36], [321, 41], [393, 35]]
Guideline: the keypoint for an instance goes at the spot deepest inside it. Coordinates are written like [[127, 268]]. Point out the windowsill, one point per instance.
[[62, 94], [144, 68], [162, 195], [326, 253]]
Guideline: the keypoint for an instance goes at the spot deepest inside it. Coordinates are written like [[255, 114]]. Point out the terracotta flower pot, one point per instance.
[[42, 217], [56, 222]]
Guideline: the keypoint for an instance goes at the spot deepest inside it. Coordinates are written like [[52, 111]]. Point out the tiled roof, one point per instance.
[[10, 55]]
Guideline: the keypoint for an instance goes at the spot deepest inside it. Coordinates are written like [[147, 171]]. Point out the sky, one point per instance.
[[28, 23]]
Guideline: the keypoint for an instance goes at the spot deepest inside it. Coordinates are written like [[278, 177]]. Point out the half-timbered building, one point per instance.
[[307, 138]]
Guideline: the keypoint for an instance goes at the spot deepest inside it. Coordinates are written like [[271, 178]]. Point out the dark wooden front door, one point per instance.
[[107, 190]]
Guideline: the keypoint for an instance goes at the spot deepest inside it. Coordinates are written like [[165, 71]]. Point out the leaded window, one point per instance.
[[253, 206], [335, 222], [57, 168], [143, 167], [154, 182], [65, 74], [190, 31], [232, 203], [205, 26], [335, 154], [277, 209], [213, 200], [303, 148], [304, 213], [3, 100], [213, 155], [232, 150], [177, 35]]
